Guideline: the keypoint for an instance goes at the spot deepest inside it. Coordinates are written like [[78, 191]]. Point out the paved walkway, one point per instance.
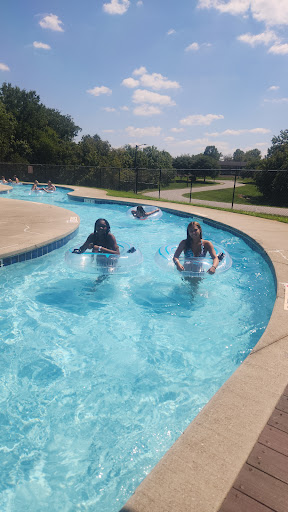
[[178, 195]]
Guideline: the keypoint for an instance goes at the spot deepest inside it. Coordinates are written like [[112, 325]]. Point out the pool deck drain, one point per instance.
[[217, 462]]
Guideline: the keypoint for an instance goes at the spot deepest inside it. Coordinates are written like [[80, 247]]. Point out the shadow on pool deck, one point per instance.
[[217, 452]]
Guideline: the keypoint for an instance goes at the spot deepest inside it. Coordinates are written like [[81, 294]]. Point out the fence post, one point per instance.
[[235, 178], [119, 178], [190, 190], [159, 184], [136, 180]]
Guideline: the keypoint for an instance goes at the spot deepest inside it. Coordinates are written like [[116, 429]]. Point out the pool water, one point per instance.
[[98, 380]]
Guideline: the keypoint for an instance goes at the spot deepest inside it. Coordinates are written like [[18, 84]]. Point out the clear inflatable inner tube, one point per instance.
[[104, 263], [193, 267], [148, 209]]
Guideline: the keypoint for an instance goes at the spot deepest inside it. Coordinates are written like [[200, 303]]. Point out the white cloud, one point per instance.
[[177, 130], [194, 142], [273, 88], [151, 131], [146, 110], [171, 31], [154, 81], [200, 119], [265, 38], [139, 3], [198, 145], [108, 131], [130, 82], [279, 49], [271, 12], [144, 96], [140, 71], [194, 47], [99, 90], [51, 22], [238, 132], [125, 108], [157, 81], [109, 109], [279, 100], [3, 67], [43, 46], [117, 6], [169, 139]]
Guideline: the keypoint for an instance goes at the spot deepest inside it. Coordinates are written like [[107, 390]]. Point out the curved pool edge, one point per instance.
[[201, 466], [29, 230]]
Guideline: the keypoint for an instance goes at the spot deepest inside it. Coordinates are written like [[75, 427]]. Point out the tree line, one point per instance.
[[31, 133]]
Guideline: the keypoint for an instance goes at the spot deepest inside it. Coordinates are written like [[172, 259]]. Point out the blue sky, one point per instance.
[[177, 75]]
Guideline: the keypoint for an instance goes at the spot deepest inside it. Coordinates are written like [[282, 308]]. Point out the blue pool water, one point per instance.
[[98, 380]]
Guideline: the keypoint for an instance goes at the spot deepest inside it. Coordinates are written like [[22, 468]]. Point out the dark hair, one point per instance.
[[141, 210], [189, 238], [107, 225]]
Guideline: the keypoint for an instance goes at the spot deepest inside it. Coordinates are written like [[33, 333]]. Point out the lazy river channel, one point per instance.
[[99, 379]]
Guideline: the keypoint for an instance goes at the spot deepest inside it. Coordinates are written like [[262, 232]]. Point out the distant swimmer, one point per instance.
[[141, 214]]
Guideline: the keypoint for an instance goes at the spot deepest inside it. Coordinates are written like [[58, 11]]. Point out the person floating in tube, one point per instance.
[[141, 214], [195, 247], [101, 240], [50, 187]]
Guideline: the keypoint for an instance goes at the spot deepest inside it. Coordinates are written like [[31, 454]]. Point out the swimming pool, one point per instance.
[[98, 381]]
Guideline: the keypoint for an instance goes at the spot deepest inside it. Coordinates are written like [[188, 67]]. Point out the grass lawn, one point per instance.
[[248, 194], [178, 184]]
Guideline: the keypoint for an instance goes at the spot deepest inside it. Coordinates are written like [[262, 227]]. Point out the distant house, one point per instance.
[[232, 165]]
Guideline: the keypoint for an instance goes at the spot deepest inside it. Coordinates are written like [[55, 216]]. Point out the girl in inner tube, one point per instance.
[[195, 247]]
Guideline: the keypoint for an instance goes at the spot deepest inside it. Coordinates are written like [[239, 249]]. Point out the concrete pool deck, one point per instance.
[[27, 228], [198, 471]]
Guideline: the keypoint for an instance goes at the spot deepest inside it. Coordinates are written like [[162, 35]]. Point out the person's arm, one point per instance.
[[114, 249], [88, 243], [151, 213], [177, 253], [133, 213], [209, 247]]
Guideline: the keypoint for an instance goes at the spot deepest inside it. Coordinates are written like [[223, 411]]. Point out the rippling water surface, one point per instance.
[[98, 380]]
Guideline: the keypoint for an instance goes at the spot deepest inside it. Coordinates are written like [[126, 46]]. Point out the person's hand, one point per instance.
[[76, 251], [211, 270], [180, 267], [96, 248]]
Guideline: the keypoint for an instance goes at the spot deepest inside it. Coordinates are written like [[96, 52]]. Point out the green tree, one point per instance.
[[156, 159], [238, 155], [208, 165], [7, 131], [63, 125], [278, 143], [212, 152], [274, 185], [183, 162], [93, 151], [39, 132]]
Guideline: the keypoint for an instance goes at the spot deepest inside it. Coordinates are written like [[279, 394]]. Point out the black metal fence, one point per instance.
[[264, 191]]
